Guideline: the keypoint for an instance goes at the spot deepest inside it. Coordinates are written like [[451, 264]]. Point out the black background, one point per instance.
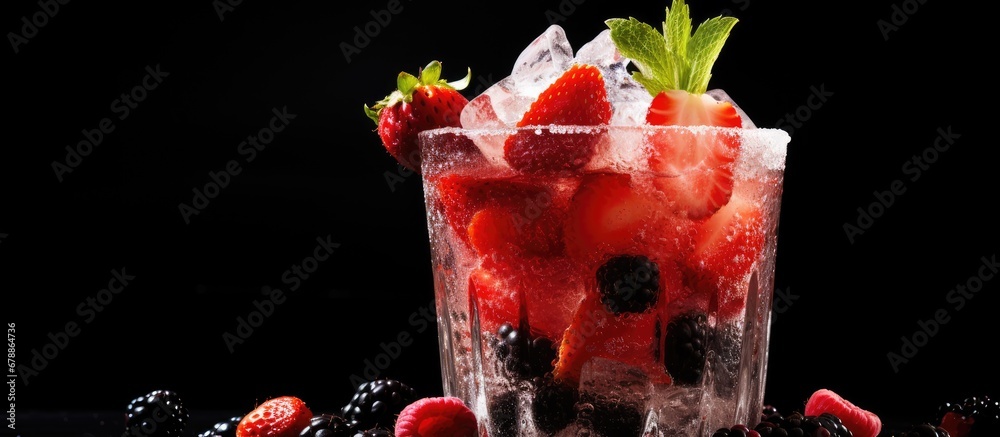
[[325, 175]]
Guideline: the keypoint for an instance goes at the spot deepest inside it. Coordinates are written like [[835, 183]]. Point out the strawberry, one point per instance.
[[612, 214], [284, 416], [494, 303], [419, 103], [597, 332], [675, 70], [461, 197], [726, 246], [538, 292], [577, 98]]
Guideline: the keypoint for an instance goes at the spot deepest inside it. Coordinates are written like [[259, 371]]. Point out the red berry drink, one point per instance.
[[603, 231], [613, 297]]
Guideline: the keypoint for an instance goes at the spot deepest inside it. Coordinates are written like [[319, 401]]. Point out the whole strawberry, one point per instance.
[[419, 103], [284, 416]]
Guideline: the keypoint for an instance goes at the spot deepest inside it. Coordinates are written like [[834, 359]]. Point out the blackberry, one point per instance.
[[685, 348], [146, 415], [374, 432], [795, 424], [223, 429], [377, 403], [984, 412], [554, 406], [505, 415], [736, 431], [523, 356], [629, 283], [613, 417], [328, 425], [922, 430]]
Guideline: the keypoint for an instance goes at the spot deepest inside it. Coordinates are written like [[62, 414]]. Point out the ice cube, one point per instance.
[[537, 67], [721, 96], [629, 99], [504, 103], [614, 380]]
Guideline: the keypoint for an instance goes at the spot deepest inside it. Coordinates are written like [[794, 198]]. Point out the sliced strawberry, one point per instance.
[[508, 231], [552, 287], [699, 162], [495, 303], [596, 332], [577, 98], [613, 214], [419, 103], [675, 70], [682, 108], [698, 193], [462, 196], [284, 416], [726, 247]]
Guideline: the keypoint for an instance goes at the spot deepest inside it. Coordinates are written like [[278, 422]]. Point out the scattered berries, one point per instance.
[[159, 413], [376, 403], [922, 430], [436, 417], [773, 424], [284, 416], [860, 422], [976, 416], [629, 283], [225, 428]]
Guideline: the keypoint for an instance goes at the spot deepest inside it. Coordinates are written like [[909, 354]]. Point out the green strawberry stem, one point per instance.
[[675, 59], [407, 83]]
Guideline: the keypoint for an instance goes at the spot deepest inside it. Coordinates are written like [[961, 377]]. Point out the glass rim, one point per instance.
[[779, 134]]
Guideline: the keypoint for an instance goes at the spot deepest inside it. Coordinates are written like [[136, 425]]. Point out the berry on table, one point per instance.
[[376, 403], [159, 413]]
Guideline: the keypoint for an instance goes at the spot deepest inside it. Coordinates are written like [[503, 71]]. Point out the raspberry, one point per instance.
[[284, 416], [860, 422], [436, 417]]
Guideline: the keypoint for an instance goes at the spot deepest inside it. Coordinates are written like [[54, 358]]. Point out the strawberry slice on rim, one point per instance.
[[675, 67]]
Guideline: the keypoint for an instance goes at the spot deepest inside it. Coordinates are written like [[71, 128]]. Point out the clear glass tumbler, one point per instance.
[[615, 281]]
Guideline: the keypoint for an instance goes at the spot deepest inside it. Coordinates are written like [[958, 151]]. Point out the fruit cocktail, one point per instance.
[[603, 240]]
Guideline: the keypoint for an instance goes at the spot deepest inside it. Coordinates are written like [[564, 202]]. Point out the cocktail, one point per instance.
[[603, 240]]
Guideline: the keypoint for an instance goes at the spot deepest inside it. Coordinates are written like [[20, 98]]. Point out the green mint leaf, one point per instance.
[[642, 44], [675, 59], [704, 49], [677, 28]]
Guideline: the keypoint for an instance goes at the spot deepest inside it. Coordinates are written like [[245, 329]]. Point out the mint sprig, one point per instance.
[[677, 58]]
